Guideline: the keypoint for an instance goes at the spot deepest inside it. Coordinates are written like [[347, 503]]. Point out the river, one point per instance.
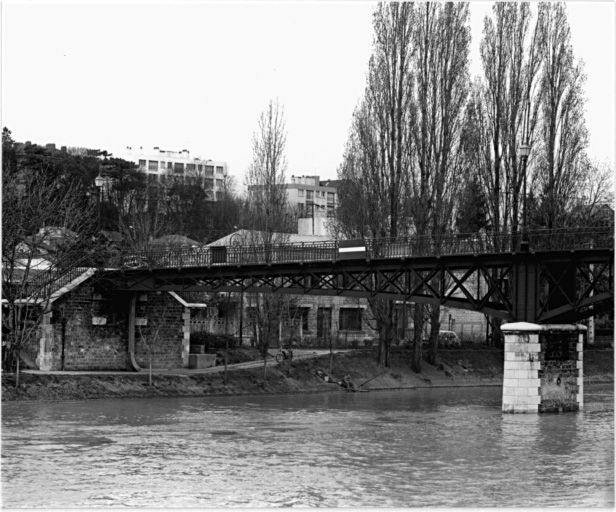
[[413, 448]]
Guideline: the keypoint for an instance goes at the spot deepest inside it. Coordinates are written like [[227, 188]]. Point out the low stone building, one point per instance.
[[86, 327]]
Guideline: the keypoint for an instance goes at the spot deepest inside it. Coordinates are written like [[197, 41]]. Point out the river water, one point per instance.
[[413, 448]]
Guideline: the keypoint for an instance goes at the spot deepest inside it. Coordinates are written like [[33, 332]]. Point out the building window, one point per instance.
[[153, 165], [300, 192], [178, 168], [208, 183], [350, 319], [218, 169], [142, 164], [209, 170], [252, 314], [309, 194], [331, 197], [226, 309], [304, 312], [190, 167], [219, 183]]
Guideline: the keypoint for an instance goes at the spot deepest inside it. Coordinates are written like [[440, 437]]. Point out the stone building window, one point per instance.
[[350, 319]]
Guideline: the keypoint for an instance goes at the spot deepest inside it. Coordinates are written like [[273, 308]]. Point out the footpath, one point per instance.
[[308, 372]]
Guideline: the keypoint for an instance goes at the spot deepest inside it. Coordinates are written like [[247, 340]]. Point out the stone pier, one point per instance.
[[543, 367]]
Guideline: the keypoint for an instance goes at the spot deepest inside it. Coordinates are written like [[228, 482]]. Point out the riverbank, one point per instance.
[[456, 368]]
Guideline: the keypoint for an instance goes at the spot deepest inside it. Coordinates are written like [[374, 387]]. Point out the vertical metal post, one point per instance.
[[132, 313], [63, 322], [241, 317], [524, 151]]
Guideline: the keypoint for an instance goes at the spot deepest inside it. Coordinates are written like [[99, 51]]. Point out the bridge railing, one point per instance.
[[458, 244]]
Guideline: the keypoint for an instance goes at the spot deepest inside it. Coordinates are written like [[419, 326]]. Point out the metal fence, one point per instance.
[[427, 246]]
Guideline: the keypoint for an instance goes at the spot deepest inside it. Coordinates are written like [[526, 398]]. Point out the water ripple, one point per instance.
[[432, 448]]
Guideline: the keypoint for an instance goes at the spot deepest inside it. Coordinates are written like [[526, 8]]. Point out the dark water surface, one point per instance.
[[439, 447]]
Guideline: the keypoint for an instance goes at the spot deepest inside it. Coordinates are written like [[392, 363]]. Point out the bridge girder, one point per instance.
[[531, 286]]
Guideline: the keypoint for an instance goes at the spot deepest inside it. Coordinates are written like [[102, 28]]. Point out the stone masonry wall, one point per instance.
[[521, 372], [543, 368], [560, 374], [160, 326], [96, 331], [90, 344]]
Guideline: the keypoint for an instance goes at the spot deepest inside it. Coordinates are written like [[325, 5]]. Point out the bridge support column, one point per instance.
[[543, 367], [185, 337]]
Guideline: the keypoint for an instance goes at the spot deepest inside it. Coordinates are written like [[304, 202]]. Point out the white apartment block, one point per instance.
[[312, 196], [166, 164]]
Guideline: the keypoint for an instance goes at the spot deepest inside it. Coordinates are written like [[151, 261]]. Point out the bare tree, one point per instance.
[[561, 160], [440, 67], [150, 337], [267, 216], [506, 109], [47, 228], [375, 167]]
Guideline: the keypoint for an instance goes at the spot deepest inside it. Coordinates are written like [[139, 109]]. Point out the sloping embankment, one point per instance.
[[457, 367]]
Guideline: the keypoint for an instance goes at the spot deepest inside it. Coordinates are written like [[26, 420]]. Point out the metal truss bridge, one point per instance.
[[558, 276]]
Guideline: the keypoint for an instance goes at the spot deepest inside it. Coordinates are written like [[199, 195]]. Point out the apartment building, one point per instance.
[[312, 196], [166, 164]]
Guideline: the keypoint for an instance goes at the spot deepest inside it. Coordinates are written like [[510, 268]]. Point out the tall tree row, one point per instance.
[[400, 156], [563, 138], [505, 109], [426, 141], [529, 94], [442, 39]]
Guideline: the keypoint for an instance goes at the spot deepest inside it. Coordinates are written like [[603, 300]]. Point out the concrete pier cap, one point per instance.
[[543, 367], [530, 327]]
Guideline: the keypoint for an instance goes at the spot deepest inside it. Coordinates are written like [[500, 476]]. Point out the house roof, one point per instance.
[[174, 240], [247, 237]]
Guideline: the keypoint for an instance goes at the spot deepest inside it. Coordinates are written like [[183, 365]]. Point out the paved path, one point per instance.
[[298, 355]]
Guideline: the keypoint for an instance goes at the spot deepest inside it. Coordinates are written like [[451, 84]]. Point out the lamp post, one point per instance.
[[524, 152], [99, 181]]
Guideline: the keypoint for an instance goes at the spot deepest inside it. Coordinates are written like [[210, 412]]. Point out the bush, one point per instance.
[[212, 342]]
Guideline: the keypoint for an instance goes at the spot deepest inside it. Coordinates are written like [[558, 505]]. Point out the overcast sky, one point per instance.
[[195, 75]]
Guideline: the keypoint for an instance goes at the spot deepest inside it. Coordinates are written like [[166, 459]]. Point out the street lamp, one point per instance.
[[524, 152], [99, 182]]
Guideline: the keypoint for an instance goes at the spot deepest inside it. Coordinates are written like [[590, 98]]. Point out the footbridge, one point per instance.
[[550, 276]]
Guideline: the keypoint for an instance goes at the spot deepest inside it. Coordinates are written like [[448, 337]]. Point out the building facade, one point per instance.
[[165, 164], [312, 196]]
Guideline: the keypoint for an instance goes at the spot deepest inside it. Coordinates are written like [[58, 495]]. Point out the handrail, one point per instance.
[[426, 245]]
